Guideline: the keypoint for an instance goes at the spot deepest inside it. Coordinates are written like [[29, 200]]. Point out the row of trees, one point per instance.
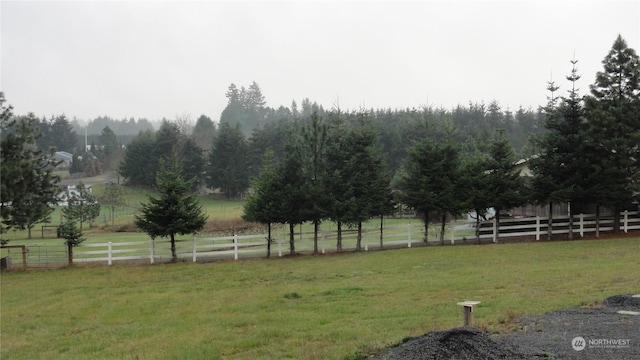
[[591, 150], [329, 172], [333, 165], [588, 155]]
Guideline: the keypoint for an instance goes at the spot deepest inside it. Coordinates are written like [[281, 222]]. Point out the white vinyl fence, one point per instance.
[[202, 249]]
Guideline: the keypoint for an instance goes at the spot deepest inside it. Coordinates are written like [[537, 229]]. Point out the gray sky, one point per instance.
[[153, 59]]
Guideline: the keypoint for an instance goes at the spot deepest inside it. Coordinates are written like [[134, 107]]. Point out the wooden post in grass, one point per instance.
[[467, 311]]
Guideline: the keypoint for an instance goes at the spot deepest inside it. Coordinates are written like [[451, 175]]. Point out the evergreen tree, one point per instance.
[[474, 178], [312, 154], [193, 162], [506, 185], [228, 161], [292, 189], [560, 167], [28, 187], [72, 237], [613, 131], [356, 179], [138, 167], [430, 181], [263, 204], [176, 210], [62, 135], [108, 142], [204, 132]]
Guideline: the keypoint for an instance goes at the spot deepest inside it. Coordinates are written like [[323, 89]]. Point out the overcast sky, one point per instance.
[[155, 59]]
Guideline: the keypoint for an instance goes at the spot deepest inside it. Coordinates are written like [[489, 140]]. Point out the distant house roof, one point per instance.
[[63, 156]]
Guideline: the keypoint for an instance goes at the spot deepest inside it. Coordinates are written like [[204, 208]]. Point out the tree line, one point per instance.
[[348, 167]]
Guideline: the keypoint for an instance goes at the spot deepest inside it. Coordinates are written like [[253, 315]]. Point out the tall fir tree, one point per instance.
[[614, 130], [228, 162], [559, 167], [28, 187], [507, 186], [175, 211]]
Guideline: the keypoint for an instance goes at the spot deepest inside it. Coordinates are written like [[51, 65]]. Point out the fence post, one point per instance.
[[581, 225], [452, 234], [495, 230], [235, 247], [537, 228], [110, 261], [409, 234], [153, 251], [194, 249], [24, 257], [324, 240], [366, 242], [626, 219]]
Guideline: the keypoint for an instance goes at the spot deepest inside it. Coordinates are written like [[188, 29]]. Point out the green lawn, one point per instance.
[[311, 307]]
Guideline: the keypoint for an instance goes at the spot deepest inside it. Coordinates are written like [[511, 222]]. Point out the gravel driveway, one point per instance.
[[611, 331]]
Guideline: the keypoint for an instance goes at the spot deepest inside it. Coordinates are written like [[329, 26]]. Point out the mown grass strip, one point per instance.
[[312, 307]]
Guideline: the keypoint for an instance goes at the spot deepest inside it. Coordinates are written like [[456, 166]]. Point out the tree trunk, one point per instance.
[[359, 238], [550, 221], [113, 222], [316, 226], [598, 220], [268, 240], [426, 227], [70, 253], [174, 256], [292, 235], [339, 238], [381, 229], [29, 231], [442, 227], [477, 226], [616, 219], [570, 222]]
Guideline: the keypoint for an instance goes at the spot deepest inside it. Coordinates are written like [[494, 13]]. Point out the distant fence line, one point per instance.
[[203, 249]]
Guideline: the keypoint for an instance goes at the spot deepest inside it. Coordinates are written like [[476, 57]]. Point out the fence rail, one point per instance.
[[251, 246]]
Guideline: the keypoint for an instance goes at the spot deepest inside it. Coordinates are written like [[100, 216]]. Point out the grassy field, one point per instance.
[[311, 307]]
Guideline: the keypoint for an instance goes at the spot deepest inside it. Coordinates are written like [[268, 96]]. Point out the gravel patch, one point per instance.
[[597, 333]]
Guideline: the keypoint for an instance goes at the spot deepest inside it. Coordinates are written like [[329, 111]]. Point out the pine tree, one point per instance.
[[614, 130], [28, 187], [312, 150], [138, 166], [559, 167], [506, 185], [175, 211], [474, 178], [228, 162], [430, 181], [264, 203], [72, 237]]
